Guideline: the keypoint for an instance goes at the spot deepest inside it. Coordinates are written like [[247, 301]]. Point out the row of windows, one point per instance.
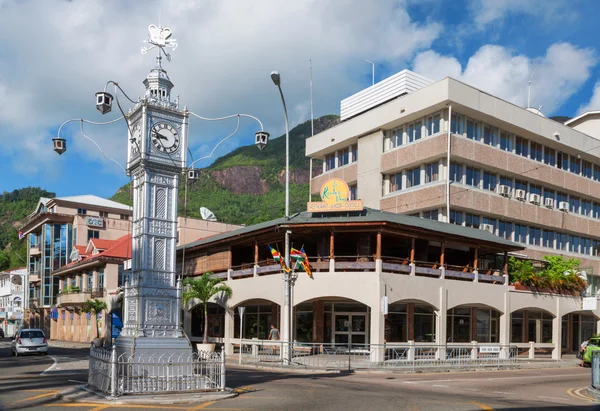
[[413, 177], [530, 235], [341, 157], [495, 137], [414, 131], [103, 214], [488, 180]]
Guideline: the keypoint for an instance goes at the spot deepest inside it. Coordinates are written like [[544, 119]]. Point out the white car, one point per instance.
[[29, 341]]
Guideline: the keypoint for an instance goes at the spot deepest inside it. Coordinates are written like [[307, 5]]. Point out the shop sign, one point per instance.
[[384, 305], [95, 222], [489, 349], [590, 303], [334, 197]]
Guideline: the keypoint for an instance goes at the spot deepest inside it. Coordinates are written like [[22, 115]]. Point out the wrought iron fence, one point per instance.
[[373, 356], [152, 373]]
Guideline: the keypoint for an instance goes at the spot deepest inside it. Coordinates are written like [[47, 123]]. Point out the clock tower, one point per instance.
[[156, 157]]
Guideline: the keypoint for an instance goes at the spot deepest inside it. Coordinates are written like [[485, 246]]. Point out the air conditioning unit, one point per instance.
[[534, 199], [487, 227], [563, 206], [549, 202], [504, 191], [520, 195]]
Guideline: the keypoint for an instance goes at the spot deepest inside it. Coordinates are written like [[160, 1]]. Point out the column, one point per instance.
[[377, 325], [318, 332], [84, 285], [505, 269], [410, 314], [68, 321], [557, 332], [441, 331], [331, 252], [476, 264], [59, 327], [76, 327], [61, 283], [504, 337], [95, 280], [412, 256], [229, 332]]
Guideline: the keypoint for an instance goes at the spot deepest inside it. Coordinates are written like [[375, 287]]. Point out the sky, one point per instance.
[[57, 54]]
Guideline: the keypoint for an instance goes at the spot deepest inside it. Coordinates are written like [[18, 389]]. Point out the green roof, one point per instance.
[[366, 215]]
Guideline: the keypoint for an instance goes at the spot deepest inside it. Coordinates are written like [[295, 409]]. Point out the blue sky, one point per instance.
[[56, 54]]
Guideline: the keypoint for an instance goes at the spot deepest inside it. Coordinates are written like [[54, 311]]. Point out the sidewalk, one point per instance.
[[68, 344]]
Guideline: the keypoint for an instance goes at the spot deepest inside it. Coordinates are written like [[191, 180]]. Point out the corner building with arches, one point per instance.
[[444, 284]]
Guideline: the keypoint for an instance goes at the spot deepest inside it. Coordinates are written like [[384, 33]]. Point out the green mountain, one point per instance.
[[247, 185], [14, 209]]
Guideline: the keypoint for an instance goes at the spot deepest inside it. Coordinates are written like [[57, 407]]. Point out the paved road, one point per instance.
[[32, 383]]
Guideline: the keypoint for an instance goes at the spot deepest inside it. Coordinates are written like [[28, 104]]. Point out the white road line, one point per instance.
[[79, 382], [437, 385], [469, 389], [502, 392], [420, 381], [496, 379], [555, 398], [51, 367]]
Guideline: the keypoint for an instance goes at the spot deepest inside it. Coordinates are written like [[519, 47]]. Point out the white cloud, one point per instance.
[[494, 69], [594, 103], [486, 12], [54, 60]]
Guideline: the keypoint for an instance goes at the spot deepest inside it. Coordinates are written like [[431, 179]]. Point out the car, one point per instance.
[[29, 341], [1, 333], [593, 345]]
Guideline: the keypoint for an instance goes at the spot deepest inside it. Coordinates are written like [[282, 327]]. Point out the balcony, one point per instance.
[[73, 298], [34, 249], [34, 276], [98, 293]]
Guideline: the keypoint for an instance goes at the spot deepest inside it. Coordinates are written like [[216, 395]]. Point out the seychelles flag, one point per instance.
[[277, 257], [21, 235]]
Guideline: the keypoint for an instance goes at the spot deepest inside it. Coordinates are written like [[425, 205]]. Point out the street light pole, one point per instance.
[[372, 71], [287, 314]]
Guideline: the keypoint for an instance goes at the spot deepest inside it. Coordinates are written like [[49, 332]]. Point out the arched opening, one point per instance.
[[332, 320], [531, 325], [576, 328], [259, 314], [475, 322], [410, 321], [216, 321]]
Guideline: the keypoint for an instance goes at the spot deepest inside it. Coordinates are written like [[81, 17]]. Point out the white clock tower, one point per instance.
[[158, 132]]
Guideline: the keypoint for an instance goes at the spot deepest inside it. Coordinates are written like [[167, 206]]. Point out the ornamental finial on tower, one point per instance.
[[160, 37]]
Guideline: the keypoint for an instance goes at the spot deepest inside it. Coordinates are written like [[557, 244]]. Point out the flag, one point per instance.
[[277, 257], [21, 235], [301, 260]]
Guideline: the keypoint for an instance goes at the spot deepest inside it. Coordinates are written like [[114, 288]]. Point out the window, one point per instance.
[[520, 233], [344, 157], [473, 129], [489, 181], [574, 243], [535, 189], [456, 217], [549, 194], [352, 188], [329, 161], [456, 172], [586, 246], [472, 220], [520, 185], [536, 151], [505, 141], [104, 214], [506, 181], [473, 176], [431, 214], [418, 130], [522, 146], [413, 177], [396, 182], [432, 172], [596, 172], [490, 135], [433, 124], [596, 210], [535, 235], [505, 229], [586, 168], [574, 203], [395, 137], [561, 241], [586, 208], [561, 197], [457, 125], [354, 151], [550, 156], [562, 160], [81, 211], [548, 239], [574, 165], [93, 234], [124, 217]]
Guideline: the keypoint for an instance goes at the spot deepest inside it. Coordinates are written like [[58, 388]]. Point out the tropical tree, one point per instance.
[[203, 288], [95, 307]]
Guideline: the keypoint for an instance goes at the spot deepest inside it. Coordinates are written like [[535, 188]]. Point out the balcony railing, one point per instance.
[[73, 298], [98, 293]]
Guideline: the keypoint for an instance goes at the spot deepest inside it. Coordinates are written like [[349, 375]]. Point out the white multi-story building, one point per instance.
[[12, 301]]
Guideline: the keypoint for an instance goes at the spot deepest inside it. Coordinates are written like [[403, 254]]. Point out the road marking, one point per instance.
[[79, 382], [554, 398], [100, 407], [51, 367], [470, 389], [48, 394], [97, 404], [201, 406], [438, 385], [576, 393], [502, 392], [495, 379], [483, 406], [420, 381]]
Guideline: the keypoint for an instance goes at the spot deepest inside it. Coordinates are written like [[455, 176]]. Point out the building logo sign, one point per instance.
[[335, 197], [95, 222]]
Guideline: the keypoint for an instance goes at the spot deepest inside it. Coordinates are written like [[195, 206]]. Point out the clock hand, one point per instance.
[[160, 136]]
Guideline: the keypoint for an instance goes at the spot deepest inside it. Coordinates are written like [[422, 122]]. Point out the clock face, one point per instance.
[[136, 138], [164, 137]]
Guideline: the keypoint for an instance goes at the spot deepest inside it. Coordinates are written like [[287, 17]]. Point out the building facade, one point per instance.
[[441, 284], [449, 152], [12, 299]]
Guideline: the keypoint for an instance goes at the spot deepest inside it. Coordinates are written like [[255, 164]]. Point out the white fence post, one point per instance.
[[531, 350], [114, 375], [411, 351], [223, 382], [474, 351]]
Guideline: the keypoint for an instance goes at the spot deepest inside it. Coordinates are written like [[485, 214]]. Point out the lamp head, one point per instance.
[[60, 145], [276, 78], [261, 139], [104, 102]]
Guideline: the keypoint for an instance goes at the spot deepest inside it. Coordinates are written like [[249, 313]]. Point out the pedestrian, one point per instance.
[[582, 350], [274, 333]]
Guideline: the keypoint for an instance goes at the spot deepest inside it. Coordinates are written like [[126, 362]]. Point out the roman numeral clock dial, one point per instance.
[[164, 137]]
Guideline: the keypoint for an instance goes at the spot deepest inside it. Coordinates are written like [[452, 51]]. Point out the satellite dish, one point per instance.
[[537, 111], [207, 215]]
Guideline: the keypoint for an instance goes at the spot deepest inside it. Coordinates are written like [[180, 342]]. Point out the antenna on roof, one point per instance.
[[529, 89]]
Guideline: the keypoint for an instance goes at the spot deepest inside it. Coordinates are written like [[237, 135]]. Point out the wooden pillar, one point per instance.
[[331, 245], [505, 266], [255, 252], [475, 258], [443, 255], [230, 258], [412, 250], [525, 326], [378, 247], [410, 313], [318, 332]]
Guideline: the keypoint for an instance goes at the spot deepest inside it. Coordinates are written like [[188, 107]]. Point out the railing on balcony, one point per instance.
[[73, 298], [98, 293]]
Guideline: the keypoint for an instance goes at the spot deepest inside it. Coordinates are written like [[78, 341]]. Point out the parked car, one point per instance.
[[1, 333], [29, 341], [593, 345]]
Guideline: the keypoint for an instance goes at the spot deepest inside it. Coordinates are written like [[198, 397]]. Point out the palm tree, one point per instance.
[[203, 288], [95, 306]]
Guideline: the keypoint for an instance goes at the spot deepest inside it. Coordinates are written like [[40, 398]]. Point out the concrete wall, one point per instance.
[[192, 229], [589, 125], [369, 187]]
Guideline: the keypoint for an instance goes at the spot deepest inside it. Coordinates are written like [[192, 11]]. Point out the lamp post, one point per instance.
[[289, 277], [372, 71]]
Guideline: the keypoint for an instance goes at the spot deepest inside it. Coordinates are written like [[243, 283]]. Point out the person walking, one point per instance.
[[274, 333], [582, 350]]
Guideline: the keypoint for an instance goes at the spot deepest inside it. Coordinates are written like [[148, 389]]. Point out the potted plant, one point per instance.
[[203, 288], [95, 307]]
